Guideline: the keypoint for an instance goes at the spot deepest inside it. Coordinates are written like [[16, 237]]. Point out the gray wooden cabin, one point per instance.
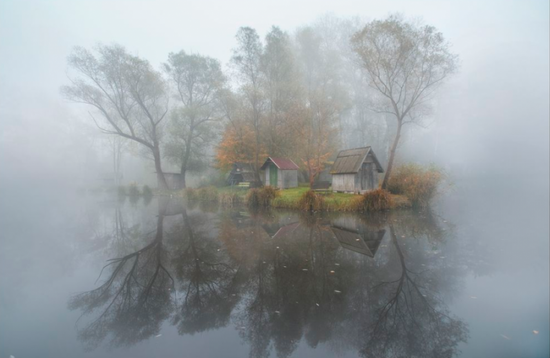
[[355, 171], [280, 172]]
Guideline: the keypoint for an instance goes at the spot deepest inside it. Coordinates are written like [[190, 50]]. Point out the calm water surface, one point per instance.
[[94, 276]]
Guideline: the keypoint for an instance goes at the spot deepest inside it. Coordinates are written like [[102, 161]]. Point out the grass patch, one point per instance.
[[300, 198]]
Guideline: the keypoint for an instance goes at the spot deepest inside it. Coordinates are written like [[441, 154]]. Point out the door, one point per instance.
[[367, 177], [273, 175]]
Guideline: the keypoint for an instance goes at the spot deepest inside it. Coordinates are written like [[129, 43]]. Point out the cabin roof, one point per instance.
[[349, 161], [281, 163]]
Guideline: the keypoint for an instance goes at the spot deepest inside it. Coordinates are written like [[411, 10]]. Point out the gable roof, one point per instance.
[[281, 163], [349, 161]]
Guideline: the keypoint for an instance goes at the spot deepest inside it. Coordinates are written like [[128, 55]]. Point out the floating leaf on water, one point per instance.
[[357, 240], [473, 297], [304, 269], [337, 264], [331, 271], [336, 291], [505, 337], [277, 312], [535, 332], [317, 304], [158, 335]]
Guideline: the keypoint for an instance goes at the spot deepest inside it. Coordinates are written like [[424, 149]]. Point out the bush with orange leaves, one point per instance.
[[418, 183]]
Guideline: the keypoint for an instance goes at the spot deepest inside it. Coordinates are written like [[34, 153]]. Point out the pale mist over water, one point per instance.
[[88, 271]]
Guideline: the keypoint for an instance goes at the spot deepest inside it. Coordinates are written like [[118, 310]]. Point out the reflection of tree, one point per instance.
[[135, 299], [410, 320], [207, 280], [281, 278]]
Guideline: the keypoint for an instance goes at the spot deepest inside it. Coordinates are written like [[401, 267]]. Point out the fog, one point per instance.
[[487, 127], [491, 115]]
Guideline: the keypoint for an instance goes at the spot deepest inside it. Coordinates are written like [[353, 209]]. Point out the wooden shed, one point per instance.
[[355, 171], [280, 172]]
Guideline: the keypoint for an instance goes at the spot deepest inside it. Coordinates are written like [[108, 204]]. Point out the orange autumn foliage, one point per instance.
[[237, 145]]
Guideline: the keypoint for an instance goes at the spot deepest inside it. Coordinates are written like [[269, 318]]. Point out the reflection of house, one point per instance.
[[241, 172], [280, 172], [355, 170], [355, 236], [277, 231]]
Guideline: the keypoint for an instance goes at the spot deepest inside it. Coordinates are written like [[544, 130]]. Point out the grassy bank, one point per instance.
[[290, 199], [294, 198]]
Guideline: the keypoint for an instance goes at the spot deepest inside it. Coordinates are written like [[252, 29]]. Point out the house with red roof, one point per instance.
[[280, 172]]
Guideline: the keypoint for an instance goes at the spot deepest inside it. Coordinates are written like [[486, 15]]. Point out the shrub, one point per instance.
[[133, 190], [311, 201], [259, 198], [191, 194], [208, 193], [374, 200], [269, 193], [229, 199], [147, 191], [418, 183], [122, 190]]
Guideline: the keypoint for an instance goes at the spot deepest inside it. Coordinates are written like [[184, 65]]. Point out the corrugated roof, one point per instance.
[[281, 163], [349, 161]]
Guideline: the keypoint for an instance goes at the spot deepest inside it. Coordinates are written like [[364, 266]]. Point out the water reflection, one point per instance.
[[374, 284]]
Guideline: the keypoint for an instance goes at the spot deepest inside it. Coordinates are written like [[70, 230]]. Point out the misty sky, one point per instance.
[[498, 100]]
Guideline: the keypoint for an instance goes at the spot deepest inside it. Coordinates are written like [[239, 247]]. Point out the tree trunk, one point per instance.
[[184, 164], [256, 159], [392, 155], [161, 180]]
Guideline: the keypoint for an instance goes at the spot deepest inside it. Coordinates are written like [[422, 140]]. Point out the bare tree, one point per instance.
[[406, 63], [126, 91], [247, 60], [198, 82]]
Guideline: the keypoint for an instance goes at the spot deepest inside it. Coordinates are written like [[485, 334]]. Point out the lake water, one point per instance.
[[93, 276]]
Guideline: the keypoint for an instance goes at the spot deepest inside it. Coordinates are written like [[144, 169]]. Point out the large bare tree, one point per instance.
[[247, 61], [126, 92], [198, 83], [406, 63]]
